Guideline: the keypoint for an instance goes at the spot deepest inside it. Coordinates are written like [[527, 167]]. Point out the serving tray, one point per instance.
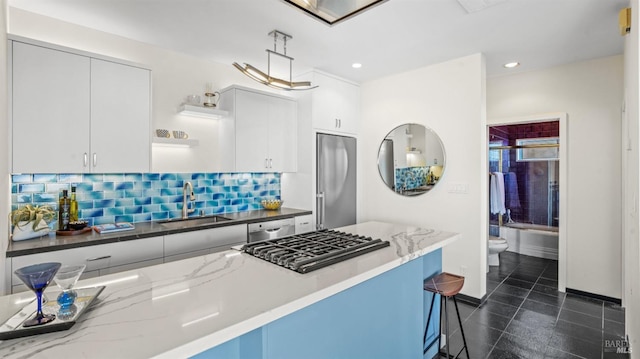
[[73, 232], [13, 328]]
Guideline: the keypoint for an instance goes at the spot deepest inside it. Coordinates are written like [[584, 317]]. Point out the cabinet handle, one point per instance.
[[340, 123], [270, 162], [95, 159], [85, 159], [98, 258], [337, 123], [266, 163]]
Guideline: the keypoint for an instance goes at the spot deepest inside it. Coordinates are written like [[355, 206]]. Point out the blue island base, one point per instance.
[[383, 317]]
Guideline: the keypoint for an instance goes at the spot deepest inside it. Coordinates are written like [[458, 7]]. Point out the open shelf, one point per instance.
[[202, 112], [174, 142]]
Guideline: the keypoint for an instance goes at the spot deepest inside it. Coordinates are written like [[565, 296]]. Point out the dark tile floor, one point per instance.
[[526, 317]]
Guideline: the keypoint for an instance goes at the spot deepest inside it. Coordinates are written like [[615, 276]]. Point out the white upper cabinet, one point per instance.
[[50, 110], [252, 131], [120, 121], [261, 131], [335, 104], [90, 115]]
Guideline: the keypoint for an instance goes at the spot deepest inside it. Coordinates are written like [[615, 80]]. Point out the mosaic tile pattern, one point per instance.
[[144, 197], [411, 177]]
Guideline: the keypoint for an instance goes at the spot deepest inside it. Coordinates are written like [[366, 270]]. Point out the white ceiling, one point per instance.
[[397, 36]]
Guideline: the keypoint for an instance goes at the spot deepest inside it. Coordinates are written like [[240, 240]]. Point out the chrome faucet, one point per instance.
[[185, 205]]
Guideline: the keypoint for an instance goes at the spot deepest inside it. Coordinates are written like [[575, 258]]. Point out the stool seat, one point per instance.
[[446, 284]]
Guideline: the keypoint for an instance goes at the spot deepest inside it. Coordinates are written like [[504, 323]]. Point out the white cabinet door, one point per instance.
[[97, 258], [120, 120], [50, 110], [191, 244], [324, 102], [265, 131], [349, 108], [283, 133], [252, 131], [304, 224], [335, 104]]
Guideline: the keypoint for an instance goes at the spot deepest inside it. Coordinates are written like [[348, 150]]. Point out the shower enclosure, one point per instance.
[[524, 169]]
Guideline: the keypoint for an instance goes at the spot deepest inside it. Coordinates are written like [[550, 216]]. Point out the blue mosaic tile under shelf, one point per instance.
[[143, 197], [411, 177]]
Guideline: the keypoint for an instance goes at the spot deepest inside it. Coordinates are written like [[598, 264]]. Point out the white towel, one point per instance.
[[497, 193]]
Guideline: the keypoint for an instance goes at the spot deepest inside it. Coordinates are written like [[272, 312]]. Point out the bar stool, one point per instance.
[[446, 285]]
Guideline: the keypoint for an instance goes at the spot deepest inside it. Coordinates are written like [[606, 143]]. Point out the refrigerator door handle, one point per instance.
[[320, 210]]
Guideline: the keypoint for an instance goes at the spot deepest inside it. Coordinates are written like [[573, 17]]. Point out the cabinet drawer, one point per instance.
[[177, 257], [131, 266], [97, 257], [205, 239]]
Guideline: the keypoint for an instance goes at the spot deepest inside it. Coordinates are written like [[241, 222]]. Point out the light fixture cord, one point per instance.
[[285, 45], [275, 41]]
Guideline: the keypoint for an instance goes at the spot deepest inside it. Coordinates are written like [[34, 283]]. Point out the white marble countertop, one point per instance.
[[182, 308]]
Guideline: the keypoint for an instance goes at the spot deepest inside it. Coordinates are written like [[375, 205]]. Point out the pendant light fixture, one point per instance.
[[267, 79]]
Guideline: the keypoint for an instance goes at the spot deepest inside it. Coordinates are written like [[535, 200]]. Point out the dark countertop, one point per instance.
[[142, 230]]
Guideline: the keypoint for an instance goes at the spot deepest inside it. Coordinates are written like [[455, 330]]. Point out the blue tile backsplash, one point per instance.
[[144, 197], [411, 177]]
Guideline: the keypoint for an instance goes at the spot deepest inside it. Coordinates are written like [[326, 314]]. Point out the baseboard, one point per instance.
[[471, 300], [595, 296]]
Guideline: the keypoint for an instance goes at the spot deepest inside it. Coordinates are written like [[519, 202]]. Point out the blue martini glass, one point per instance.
[[37, 277]]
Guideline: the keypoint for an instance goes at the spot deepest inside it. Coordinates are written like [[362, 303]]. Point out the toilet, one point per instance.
[[497, 245]]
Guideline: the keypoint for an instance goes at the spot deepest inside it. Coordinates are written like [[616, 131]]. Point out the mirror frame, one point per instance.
[[428, 178]]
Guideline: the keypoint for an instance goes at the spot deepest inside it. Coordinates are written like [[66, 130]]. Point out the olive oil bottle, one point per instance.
[[64, 207], [73, 209]]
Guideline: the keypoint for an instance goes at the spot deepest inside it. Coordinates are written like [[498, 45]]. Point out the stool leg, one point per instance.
[[440, 326], [446, 320], [424, 340], [464, 340]]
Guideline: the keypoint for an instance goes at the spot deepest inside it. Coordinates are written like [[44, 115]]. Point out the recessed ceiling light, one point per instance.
[[511, 65], [356, 65]]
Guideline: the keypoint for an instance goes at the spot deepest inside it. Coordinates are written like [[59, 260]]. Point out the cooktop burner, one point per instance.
[[307, 252]]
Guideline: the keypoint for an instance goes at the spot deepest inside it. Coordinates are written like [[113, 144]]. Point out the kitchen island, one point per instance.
[[233, 305]]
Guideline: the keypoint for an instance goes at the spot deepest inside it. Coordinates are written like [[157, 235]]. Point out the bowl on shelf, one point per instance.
[[180, 135], [160, 132], [271, 203]]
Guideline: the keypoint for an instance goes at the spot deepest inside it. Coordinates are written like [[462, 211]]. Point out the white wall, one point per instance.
[[175, 76], [631, 164], [449, 98], [5, 189], [590, 93]]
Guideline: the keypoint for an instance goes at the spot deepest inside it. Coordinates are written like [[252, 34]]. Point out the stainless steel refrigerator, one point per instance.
[[335, 181], [385, 163]]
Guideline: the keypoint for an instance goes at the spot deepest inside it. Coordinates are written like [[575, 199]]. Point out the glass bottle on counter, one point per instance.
[[73, 209], [64, 206]]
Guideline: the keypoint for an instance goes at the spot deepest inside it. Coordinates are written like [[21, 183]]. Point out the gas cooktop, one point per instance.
[[307, 252]]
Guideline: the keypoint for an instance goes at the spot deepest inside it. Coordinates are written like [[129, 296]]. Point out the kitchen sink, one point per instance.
[[192, 222]]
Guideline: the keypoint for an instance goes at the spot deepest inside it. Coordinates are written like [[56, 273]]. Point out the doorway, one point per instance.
[[527, 156]]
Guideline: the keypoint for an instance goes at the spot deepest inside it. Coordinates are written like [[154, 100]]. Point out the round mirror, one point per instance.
[[411, 159]]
